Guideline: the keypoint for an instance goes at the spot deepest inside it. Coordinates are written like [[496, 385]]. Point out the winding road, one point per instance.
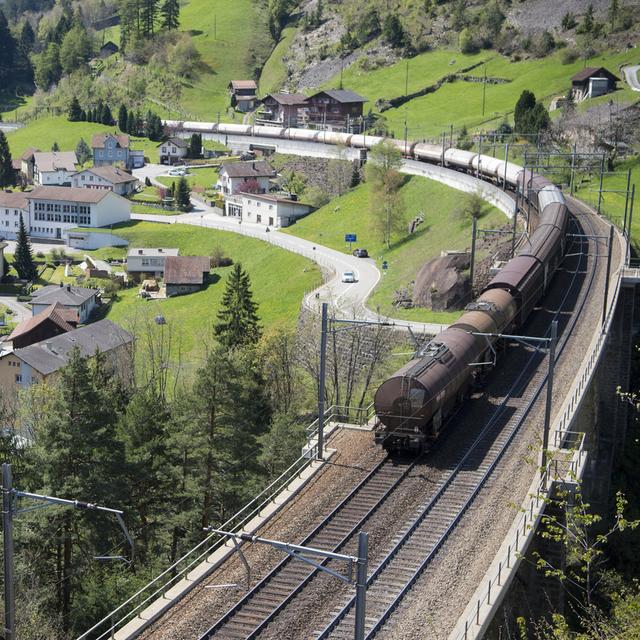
[[348, 300], [632, 76]]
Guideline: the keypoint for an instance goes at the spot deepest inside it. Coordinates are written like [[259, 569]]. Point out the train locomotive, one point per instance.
[[413, 404]]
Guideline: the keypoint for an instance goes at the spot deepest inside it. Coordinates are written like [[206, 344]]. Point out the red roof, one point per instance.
[[98, 140], [54, 312], [186, 269]]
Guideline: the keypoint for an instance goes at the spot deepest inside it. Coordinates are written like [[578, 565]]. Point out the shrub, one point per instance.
[[568, 56], [218, 259]]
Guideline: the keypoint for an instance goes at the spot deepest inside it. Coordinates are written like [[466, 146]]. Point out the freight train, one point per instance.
[[413, 404]]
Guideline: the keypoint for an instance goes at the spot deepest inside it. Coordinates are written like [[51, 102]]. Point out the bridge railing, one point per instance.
[[180, 569], [568, 457]]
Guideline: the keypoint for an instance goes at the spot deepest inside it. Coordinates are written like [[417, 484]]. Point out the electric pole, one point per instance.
[[9, 496]]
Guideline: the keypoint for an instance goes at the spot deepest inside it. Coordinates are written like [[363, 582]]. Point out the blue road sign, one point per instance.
[[350, 237]]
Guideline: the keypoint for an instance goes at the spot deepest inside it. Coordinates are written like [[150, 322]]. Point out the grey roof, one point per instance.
[[252, 169], [13, 199], [54, 160], [70, 194], [53, 354], [181, 143], [153, 252], [67, 296], [112, 174], [287, 98], [342, 95]]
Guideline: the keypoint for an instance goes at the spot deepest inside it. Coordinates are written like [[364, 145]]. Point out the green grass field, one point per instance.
[[205, 178], [274, 73], [44, 131], [460, 103], [613, 204], [443, 228], [278, 280], [223, 32]]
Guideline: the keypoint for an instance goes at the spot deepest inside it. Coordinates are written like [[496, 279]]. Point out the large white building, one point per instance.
[[11, 206], [106, 177], [53, 211], [264, 208], [54, 168]]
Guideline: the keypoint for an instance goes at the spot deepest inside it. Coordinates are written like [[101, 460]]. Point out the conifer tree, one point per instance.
[[123, 118], [183, 195], [238, 318], [170, 11], [23, 259], [83, 153], [195, 145], [55, 146], [132, 124], [107, 118], [6, 168], [75, 112]]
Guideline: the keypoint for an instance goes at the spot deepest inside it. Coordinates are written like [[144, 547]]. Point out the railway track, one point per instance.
[[418, 542], [267, 598]]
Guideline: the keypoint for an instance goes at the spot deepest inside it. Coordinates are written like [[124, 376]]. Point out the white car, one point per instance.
[[177, 172], [348, 276]]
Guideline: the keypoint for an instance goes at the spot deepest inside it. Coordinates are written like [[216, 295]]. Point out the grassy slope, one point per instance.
[[205, 178], [43, 132], [461, 102], [442, 229], [613, 203], [237, 26], [274, 73], [278, 279]]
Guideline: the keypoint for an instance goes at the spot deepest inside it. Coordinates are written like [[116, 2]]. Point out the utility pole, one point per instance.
[[7, 539], [506, 164], [484, 89], [361, 585], [323, 364], [626, 202], [9, 495], [600, 188], [215, 26], [606, 282], [473, 250], [547, 410], [513, 230]]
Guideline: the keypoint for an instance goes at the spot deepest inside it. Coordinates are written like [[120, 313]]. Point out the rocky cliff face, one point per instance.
[[442, 284]]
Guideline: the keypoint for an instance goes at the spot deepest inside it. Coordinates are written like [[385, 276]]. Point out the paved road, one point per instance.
[[632, 76], [348, 299], [20, 312]]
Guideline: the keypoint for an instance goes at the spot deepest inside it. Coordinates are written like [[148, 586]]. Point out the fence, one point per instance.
[[567, 443]]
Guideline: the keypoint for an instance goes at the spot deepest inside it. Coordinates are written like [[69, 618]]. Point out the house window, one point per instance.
[[258, 218], [84, 177], [18, 377]]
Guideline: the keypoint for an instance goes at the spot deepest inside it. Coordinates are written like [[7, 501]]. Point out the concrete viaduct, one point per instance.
[[587, 436]]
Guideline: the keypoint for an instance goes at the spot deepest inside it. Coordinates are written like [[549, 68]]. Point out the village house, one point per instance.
[[108, 49], [281, 109], [592, 82], [26, 164], [40, 361], [253, 176], [142, 261], [54, 168], [79, 301], [185, 274], [333, 110], [268, 209], [12, 204], [243, 94], [173, 150], [51, 322], [53, 211], [113, 149], [106, 177]]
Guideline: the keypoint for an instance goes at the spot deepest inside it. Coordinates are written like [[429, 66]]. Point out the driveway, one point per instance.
[[20, 312], [632, 76], [348, 299]]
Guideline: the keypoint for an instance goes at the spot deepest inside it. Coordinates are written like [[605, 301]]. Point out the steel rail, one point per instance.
[[568, 330], [373, 474]]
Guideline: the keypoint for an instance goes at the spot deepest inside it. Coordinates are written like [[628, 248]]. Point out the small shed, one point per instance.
[[243, 94], [185, 274], [592, 82], [108, 49]]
